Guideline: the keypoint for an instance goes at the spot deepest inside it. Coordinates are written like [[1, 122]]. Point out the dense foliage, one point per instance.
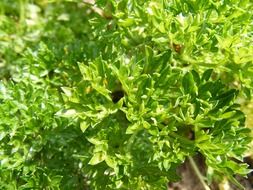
[[118, 94]]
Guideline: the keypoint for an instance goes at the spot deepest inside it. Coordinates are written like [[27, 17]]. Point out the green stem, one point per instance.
[[22, 15], [182, 139], [199, 175], [21, 11], [131, 140], [204, 24]]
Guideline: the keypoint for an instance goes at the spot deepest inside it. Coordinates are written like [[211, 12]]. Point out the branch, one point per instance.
[[199, 175]]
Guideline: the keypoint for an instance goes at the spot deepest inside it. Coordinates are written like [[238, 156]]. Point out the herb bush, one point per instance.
[[118, 94]]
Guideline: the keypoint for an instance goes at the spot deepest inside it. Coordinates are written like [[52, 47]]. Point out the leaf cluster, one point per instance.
[[118, 94]]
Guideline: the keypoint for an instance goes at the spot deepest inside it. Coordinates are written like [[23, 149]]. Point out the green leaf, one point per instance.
[[85, 71], [188, 83], [207, 74], [102, 90], [70, 113], [133, 128], [67, 91], [228, 115], [111, 162], [97, 158], [126, 23], [83, 126]]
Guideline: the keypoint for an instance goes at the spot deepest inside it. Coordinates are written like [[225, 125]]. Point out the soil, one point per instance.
[[190, 180]]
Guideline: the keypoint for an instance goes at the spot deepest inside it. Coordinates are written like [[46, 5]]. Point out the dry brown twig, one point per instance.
[[98, 10]]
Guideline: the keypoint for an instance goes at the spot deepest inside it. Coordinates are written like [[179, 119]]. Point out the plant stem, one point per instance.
[[22, 5], [131, 140], [197, 172]]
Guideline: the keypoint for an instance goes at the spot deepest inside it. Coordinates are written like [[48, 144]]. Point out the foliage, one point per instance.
[[117, 94]]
